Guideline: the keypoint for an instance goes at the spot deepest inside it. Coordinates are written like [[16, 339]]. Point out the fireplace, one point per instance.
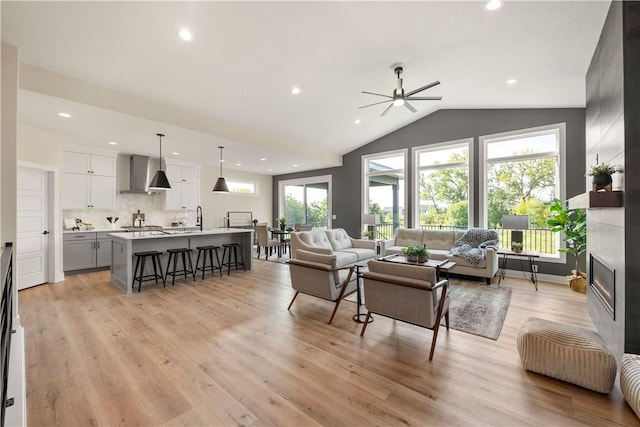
[[602, 281]]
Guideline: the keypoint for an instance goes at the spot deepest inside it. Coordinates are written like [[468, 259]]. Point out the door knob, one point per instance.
[[45, 232]]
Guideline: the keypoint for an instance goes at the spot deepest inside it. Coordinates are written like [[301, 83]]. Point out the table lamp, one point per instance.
[[515, 223], [371, 220]]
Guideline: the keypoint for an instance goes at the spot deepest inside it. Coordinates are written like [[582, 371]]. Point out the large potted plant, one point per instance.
[[573, 223]]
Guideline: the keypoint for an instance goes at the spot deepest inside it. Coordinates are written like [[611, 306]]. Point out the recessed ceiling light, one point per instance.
[[295, 90], [175, 153], [494, 4], [222, 161], [269, 169], [295, 166], [263, 159], [113, 143], [357, 121], [512, 81], [65, 115], [238, 164], [185, 34]]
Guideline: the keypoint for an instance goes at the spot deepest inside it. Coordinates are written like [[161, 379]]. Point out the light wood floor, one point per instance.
[[227, 352]]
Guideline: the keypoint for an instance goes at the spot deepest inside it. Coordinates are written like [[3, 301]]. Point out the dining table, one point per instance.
[[281, 236]]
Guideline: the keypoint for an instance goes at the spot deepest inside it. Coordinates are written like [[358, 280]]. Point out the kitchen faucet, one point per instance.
[[199, 217]]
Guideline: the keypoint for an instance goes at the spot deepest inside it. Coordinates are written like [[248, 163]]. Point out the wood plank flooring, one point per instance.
[[225, 351]]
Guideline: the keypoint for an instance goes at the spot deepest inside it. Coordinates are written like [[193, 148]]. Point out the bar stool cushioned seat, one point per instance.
[[568, 353], [630, 380]]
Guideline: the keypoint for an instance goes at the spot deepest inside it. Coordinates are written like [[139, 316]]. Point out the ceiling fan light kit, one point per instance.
[[399, 98]]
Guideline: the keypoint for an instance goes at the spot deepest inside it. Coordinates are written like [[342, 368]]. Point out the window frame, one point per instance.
[[415, 155], [255, 184], [365, 178], [304, 181], [559, 129]]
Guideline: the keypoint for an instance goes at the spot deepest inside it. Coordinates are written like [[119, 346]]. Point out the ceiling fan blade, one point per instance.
[[377, 94], [409, 107], [420, 89], [424, 98], [376, 103], [385, 111]]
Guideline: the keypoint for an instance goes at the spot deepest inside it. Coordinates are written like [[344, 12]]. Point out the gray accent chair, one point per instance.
[[408, 293], [264, 241], [318, 275]]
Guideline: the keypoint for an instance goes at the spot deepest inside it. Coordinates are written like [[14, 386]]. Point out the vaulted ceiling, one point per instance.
[[122, 72]]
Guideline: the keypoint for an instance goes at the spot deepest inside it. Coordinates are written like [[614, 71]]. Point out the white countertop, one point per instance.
[[137, 235], [122, 230]]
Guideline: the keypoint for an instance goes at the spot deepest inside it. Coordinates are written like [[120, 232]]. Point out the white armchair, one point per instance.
[[408, 293]]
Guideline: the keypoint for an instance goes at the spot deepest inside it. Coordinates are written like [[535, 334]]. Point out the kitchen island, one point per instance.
[[125, 244]]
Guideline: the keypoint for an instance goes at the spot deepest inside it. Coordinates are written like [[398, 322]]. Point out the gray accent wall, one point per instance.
[[443, 126], [613, 134]]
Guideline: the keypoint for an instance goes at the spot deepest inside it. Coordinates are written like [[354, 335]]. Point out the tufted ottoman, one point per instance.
[[568, 353], [630, 381]]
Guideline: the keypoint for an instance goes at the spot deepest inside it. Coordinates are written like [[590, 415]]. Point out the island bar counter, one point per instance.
[[124, 245]]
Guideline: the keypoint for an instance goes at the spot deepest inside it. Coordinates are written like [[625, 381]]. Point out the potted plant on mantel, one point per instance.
[[601, 174], [573, 223], [416, 253]]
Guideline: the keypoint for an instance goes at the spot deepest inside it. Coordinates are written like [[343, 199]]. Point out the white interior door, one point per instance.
[[33, 234]]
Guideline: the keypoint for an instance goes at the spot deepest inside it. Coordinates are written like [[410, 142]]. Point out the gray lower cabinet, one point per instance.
[[86, 250]]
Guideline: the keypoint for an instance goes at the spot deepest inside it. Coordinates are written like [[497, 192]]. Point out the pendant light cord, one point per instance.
[[220, 147], [160, 135]]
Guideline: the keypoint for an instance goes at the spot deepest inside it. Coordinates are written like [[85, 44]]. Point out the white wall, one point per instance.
[[216, 205]]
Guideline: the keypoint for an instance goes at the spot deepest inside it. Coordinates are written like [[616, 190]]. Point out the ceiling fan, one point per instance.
[[399, 98]]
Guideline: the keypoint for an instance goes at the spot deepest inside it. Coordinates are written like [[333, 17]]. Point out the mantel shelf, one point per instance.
[[606, 199]]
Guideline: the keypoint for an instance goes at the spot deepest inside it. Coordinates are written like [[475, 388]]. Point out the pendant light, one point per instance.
[[160, 181], [221, 184]]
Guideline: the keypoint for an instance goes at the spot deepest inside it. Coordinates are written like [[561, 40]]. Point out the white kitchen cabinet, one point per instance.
[[87, 191], [185, 186], [89, 181], [182, 196], [181, 173], [83, 163]]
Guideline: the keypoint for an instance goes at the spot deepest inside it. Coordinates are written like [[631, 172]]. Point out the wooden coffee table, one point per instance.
[[440, 265]]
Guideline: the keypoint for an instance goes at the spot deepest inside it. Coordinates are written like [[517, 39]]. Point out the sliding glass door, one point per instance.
[[306, 201]]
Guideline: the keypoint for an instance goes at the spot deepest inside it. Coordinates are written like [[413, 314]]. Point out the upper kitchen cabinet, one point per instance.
[[181, 173], [89, 180], [185, 185]]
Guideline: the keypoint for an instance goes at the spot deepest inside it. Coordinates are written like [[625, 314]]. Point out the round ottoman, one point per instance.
[[630, 381], [568, 353]]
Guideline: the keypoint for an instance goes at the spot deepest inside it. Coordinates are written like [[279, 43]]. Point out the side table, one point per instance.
[[358, 317], [531, 256]]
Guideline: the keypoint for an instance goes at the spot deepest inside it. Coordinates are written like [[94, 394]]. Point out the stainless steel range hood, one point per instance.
[[138, 182]]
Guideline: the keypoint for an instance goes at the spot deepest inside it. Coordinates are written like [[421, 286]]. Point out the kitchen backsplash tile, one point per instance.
[[127, 205]]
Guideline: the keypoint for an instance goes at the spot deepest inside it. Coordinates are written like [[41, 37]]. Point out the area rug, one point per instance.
[[478, 309], [475, 308]]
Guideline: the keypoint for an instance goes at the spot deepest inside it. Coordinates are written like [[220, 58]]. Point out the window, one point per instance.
[[306, 201], [522, 171], [442, 183], [242, 187], [384, 190]]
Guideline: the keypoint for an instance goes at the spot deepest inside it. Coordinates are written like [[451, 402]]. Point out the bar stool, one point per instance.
[[229, 249], [204, 250], [186, 254], [138, 274]]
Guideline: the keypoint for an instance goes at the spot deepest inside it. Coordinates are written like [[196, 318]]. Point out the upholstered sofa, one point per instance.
[[348, 251], [439, 243]]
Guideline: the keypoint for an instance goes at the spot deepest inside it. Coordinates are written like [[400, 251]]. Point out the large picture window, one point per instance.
[[522, 172], [306, 201], [442, 183], [384, 190]]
